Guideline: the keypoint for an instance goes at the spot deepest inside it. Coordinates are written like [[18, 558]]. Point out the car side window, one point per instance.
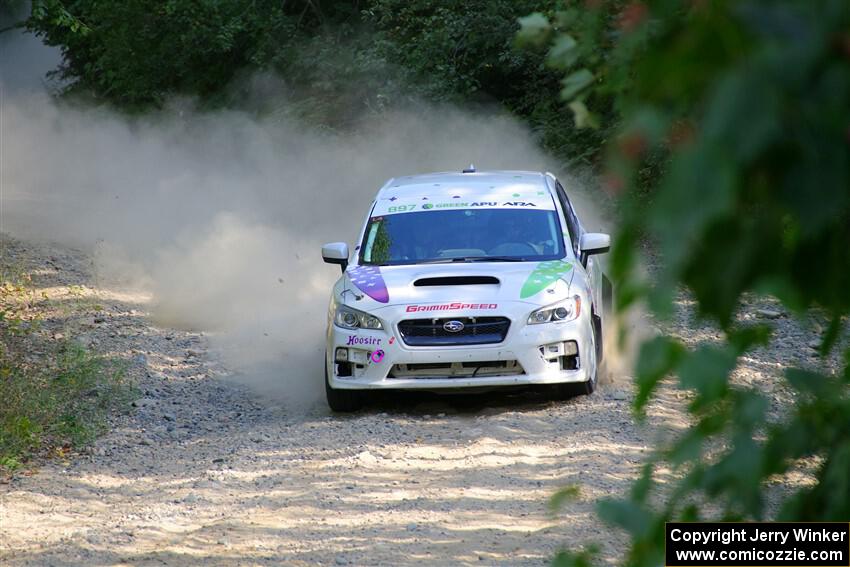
[[569, 214]]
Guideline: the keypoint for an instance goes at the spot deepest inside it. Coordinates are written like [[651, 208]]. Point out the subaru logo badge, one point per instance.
[[453, 326]]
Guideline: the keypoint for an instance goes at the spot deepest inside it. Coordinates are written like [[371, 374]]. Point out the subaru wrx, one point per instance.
[[472, 280]]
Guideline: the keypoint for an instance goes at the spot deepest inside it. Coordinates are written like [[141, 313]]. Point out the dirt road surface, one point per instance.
[[202, 471]]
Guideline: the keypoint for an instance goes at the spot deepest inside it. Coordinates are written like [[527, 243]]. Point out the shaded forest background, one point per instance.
[[325, 61]]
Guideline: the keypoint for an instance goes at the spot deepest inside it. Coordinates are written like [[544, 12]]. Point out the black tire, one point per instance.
[[342, 400], [607, 296], [598, 337], [562, 392], [587, 388]]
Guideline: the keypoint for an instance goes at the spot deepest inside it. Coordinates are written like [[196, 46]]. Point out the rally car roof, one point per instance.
[[447, 182]]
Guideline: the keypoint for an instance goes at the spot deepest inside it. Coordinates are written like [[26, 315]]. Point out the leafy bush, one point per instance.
[[337, 60], [466, 51], [53, 396], [746, 101], [59, 405], [139, 52]]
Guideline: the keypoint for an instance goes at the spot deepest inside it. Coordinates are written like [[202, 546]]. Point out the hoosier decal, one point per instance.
[[355, 340]]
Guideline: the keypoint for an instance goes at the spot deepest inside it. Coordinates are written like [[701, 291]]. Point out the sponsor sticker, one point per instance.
[[402, 208], [377, 356], [477, 204], [544, 275], [368, 279], [355, 340], [485, 200], [450, 307]]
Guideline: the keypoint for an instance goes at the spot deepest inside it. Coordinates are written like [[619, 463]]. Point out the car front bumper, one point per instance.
[[531, 354]]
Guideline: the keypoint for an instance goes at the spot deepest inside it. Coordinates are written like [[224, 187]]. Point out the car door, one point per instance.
[[591, 264]]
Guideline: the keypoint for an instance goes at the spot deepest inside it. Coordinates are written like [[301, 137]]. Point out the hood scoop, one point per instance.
[[456, 280]]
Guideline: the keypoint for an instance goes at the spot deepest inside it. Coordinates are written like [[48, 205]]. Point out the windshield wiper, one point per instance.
[[493, 259], [473, 259]]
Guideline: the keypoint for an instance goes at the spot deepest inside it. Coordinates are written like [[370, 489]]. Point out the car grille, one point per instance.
[[442, 370], [476, 331]]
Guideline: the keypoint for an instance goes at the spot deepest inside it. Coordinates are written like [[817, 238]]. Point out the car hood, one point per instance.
[[538, 283]]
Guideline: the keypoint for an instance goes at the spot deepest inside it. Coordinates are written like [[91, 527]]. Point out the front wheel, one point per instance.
[[571, 389], [342, 400], [587, 388]]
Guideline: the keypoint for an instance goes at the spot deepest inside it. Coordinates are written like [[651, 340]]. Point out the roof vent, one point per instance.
[[470, 169]]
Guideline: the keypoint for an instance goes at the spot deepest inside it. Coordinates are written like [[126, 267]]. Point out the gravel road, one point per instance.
[[203, 470]]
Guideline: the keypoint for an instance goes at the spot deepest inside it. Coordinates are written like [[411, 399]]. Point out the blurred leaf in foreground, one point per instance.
[[731, 151]]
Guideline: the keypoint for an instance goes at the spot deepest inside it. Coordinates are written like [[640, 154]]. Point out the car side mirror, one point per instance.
[[593, 243], [336, 253]]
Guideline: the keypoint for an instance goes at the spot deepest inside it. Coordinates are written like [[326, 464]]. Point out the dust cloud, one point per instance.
[[221, 215]]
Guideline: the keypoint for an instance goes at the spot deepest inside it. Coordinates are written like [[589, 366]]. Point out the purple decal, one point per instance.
[[377, 356], [354, 340], [393, 198], [368, 280]]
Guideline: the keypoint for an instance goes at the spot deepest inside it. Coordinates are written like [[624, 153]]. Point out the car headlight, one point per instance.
[[566, 310], [350, 318]]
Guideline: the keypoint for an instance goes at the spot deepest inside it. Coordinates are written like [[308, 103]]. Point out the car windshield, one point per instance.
[[462, 235]]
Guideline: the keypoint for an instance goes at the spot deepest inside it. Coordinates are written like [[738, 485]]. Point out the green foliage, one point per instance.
[[457, 48], [733, 118], [137, 53], [579, 37], [465, 51], [564, 495], [337, 60], [17, 297], [61, 405], [53, 397], [582, 558]]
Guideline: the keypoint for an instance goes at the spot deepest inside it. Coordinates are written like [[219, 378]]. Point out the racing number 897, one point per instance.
[[401, 208]]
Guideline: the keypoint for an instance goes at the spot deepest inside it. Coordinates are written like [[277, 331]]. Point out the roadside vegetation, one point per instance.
[[56, 393], [738, 111]]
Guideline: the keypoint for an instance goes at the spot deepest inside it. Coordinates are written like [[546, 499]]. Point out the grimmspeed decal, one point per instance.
[[369, 280], [544, 275], [450, 307]]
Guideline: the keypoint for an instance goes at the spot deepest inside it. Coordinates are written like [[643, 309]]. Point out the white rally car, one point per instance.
[[466, 280]]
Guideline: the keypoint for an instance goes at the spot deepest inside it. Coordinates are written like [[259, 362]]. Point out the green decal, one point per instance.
[[544, 275]]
